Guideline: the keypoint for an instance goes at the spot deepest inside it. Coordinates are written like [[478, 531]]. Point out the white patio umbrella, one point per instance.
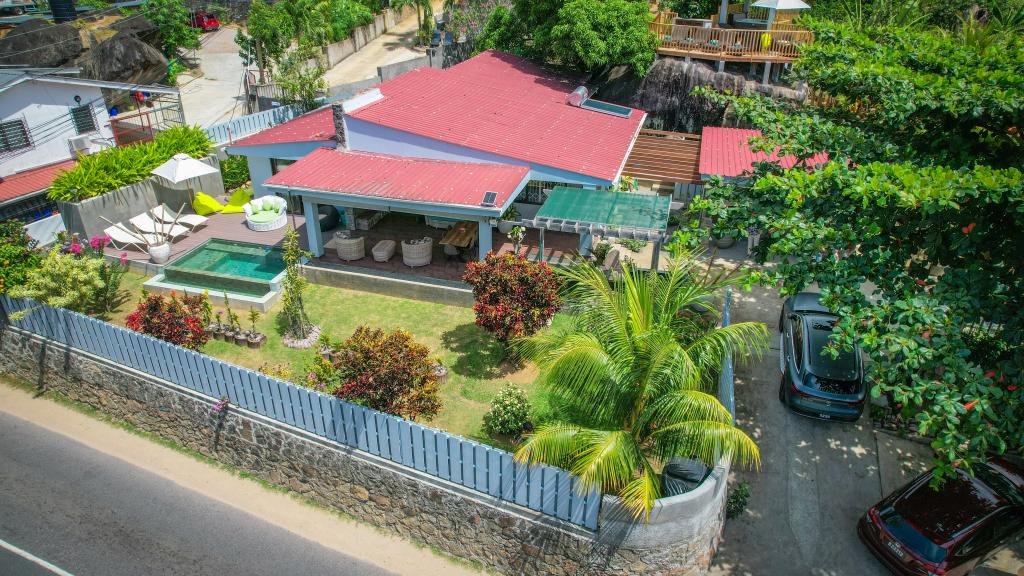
[[773, 5], [182, 167]]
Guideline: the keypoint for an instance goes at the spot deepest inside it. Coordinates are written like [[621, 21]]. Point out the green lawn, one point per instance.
[[475, 360]]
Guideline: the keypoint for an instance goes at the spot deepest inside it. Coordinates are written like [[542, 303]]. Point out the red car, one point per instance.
[[920, 531], [204, 21]]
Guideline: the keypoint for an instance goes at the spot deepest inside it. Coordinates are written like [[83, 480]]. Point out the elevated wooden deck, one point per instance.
[[730, 45], [660, 156]]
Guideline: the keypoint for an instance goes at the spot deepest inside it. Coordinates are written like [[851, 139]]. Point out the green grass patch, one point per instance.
[[476, 361]]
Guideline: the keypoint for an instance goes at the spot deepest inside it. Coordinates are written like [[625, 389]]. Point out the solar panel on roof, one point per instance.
[[489, 198], [606, 108]]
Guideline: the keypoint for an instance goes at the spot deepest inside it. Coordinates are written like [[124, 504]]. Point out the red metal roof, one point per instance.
[[726, 152], [33, 180], [401, 178], [508, 106], [310, 127]]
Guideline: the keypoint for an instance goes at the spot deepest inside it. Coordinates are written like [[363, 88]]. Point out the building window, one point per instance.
[[83, 119], [276, 165], [13, 136]]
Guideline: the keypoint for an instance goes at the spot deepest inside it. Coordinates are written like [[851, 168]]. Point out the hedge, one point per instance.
[[115, 168]]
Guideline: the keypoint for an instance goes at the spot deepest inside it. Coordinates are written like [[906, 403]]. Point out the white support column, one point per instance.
[[723, 13], [767, 72], [586, 240], [313, 234], [721, 65], [484, 238]]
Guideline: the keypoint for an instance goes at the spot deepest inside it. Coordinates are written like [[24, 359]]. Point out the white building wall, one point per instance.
[[46, 110], [369, 137]]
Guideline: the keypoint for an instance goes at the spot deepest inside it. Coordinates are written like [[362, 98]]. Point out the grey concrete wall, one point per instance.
[[89, 217], [379, 282], [390, 71], [501, 536]]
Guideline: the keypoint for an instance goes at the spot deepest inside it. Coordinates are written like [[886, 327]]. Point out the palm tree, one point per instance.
[[633, 373]]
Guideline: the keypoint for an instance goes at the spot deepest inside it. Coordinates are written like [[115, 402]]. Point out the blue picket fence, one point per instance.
[[727, 379], [551, 491], [228, 132]]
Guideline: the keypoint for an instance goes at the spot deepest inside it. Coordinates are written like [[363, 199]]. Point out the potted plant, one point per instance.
[[241, 336], [218, 329], [516, 235], [325, 348], [440, 370], [508, 219], [255, 339]]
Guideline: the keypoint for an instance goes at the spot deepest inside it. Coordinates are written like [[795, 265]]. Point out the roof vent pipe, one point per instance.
[[578, 96]]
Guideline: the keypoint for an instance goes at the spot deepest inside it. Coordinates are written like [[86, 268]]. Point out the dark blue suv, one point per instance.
[[815, 384]]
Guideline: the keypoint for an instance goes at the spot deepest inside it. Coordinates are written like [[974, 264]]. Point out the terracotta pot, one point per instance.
[[228, 335], [160, 253]]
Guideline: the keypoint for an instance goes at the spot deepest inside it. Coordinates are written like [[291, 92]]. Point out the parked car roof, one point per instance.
[[819, 332], [809, 302]]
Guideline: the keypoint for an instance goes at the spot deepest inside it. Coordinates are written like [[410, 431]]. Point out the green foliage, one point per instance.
[[631, 244], [386, 371], [62, 281], [114, 168], [585, 34], [300, 75], [509, 412], [235, 171], [694, 8], [174, 67], [170, 319], [171, 19], [268, 32], [17, 257], [736, 503], [923, 201], [638, 368], [514, 296], [293, 309]]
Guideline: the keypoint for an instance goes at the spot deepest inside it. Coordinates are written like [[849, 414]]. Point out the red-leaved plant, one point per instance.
[[176, 321], [386, 371], [514, 296]]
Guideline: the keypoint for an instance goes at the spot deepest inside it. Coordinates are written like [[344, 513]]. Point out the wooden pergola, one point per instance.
[[665, 157]]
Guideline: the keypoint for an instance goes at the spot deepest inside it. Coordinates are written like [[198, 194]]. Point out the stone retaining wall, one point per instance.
[[501, 536]]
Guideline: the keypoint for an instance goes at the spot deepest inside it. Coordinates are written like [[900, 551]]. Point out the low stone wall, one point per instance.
[[362, 35], [463, 523], [398, 285]]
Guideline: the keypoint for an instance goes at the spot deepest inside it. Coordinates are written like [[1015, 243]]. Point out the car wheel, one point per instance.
[[781, 314], [782, 389]]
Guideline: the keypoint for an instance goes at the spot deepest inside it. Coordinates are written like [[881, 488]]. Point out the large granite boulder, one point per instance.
[[141, 27], [124, 58], [37, 42]]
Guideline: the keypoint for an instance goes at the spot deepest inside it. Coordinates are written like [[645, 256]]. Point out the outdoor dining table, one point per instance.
[[461, 235]]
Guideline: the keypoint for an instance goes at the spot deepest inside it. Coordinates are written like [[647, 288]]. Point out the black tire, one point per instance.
[[781, 314], [782, 389]]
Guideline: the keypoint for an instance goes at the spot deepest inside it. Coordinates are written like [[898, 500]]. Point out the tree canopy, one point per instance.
[[913, 228], [581, 34]]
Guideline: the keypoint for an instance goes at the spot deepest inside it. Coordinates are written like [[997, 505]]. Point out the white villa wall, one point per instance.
[[46, 110], [259, 157], [369, 137]]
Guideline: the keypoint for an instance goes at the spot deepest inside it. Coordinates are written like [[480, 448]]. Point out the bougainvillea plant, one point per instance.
[[386, 371], [514, 296], [178, 321]]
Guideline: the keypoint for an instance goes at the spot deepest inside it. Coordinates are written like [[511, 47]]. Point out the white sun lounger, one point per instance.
[[165, 214], [149, 226], [121, 238]]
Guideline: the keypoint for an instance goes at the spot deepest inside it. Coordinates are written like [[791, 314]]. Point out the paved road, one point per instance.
[[214, 96], [817, 478], [396, 45], [92, 514]]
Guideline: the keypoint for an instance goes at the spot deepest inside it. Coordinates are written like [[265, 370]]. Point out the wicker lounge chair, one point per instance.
[[351, 248], [418, 254], [266, 213]]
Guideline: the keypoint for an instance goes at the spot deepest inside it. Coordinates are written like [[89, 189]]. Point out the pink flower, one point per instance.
[[124, 258], [75, 248]]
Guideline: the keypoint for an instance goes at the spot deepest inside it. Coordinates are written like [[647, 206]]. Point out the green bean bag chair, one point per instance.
[[204, 204], [240, 198]]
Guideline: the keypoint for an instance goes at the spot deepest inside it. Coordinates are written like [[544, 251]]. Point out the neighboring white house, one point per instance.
[[48, 117]]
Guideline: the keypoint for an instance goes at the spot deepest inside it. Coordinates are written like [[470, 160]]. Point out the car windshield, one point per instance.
[[823, 365], [911, 538]]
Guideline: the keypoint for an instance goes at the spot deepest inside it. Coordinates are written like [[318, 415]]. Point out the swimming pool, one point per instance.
[[226, 266]]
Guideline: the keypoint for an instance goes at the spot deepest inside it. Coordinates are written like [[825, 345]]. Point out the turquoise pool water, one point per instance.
[[223, 265]]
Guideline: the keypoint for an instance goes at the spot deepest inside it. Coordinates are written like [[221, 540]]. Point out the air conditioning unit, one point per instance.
[[80, 144]]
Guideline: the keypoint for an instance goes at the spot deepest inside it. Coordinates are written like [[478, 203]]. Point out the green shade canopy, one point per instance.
[[605, 213]]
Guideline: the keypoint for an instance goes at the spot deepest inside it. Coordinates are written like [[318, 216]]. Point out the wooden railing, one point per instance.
[[731, 44]]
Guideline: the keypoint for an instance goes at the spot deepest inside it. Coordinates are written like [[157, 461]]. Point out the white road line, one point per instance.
[[34, 559]]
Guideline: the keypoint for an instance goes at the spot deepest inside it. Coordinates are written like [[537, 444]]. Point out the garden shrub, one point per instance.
[[115, 168], [736, 503], [63, 281], [514, 296], [17, 256], [234, 171], [509, 412], [385, 371], [176, 321]]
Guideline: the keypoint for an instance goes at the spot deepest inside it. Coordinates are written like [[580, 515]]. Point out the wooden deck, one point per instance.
[[730, 44], [661, 156]]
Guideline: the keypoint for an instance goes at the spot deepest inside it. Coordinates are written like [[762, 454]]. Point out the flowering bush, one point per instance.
[[514, 297], [62, 281], [176, 321], [509, 413], [17, 256], [386, 371]]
